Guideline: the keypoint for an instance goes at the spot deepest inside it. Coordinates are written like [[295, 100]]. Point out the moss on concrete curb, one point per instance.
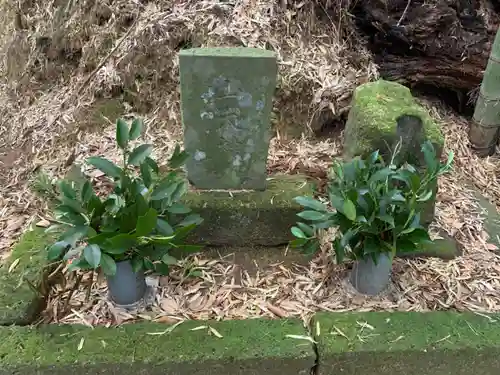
[[247, 347], [434, 343], [249, 217], [19, 302]]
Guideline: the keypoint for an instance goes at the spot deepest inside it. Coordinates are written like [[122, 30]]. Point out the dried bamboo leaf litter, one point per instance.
[[223, 290], [49, 121]]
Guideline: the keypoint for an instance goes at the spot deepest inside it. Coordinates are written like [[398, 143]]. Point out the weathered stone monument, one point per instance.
[[226, 101], [226, 105]]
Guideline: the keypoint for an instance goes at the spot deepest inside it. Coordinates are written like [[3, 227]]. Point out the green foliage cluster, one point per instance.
[[43, 186], [376, 207], [140, 220]]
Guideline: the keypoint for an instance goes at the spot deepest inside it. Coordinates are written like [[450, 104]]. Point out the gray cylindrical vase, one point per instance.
[[126, 287], [370, 278]]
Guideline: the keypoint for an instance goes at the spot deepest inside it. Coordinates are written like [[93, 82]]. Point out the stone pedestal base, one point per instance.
[[238, 218]]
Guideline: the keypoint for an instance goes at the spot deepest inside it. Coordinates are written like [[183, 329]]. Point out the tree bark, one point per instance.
[[444, 43]]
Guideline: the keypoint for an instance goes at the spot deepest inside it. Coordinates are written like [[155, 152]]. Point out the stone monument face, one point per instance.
[[226, 102]]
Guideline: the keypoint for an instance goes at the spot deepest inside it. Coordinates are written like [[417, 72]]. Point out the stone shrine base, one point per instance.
[[247, 217]]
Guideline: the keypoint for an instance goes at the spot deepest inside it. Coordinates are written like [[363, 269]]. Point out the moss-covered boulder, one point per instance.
[[384, 113], [373, 119], [247, 218]]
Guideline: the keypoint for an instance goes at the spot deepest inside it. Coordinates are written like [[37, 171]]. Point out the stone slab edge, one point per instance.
[[258, 346], [428, 343], [492, 218], [243, 218], [21, 276], [444, 248]]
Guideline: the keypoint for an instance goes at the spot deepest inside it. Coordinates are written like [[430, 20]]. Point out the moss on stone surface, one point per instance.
[[372, 121], [247, 347], [249, 217], [19, 303], [444, 248], [434, 343], [280, 192]]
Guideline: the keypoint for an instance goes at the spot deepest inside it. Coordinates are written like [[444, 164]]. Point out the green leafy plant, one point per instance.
[[49, 188], [375, 207], [43, 186], [140, 220]]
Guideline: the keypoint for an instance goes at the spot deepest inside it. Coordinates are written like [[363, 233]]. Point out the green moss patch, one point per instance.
[[20, 301], [492, 219], [242, 218], [246, 347], [372, 121], [434, 343]]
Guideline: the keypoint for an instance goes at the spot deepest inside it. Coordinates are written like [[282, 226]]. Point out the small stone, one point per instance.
[[153, 281], [164, 281], [491, 247], [43, 223], [96, 173]]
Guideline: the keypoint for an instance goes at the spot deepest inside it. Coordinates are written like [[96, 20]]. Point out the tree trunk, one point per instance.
[[443, 43]]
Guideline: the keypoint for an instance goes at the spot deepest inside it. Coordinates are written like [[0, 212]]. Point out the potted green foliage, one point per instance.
[[133, 227], [375, 209]]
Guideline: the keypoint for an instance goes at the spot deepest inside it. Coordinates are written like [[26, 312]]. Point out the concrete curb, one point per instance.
[[246, 347], [21, 279], [433, 343]]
